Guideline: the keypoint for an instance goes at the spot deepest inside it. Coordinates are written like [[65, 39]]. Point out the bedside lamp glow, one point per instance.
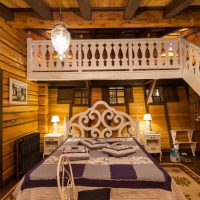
[[148, 118], [55, 119]]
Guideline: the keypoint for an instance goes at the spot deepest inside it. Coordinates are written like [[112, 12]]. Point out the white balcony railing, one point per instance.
[[105, 59], [191, 64]]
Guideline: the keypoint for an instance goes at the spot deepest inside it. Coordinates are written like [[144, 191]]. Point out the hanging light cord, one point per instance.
[[60, 14]]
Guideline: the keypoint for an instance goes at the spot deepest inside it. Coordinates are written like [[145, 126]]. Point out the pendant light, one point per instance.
[[60, 37]]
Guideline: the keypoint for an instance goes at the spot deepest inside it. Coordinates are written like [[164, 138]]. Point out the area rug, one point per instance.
[[187, 180]]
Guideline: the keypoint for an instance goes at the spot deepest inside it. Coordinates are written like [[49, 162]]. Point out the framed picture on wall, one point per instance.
[[17, 92]]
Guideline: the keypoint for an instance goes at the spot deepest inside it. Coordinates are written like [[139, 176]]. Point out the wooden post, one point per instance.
[[151, 91]]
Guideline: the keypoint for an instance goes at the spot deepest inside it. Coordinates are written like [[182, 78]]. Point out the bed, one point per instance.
[[133, 176]]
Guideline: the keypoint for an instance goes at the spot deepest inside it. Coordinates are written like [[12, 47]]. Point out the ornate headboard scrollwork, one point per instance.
[[102, 121]]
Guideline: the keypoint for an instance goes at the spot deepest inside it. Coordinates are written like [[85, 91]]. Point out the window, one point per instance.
[[155, 97], [80, 96], [116, 95], [65, 95], [77, 96]]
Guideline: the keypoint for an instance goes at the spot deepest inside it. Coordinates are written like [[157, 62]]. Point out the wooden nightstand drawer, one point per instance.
[[51, 142], [151, 142], [153, 148]]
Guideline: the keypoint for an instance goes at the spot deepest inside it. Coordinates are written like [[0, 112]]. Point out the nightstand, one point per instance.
[[151, 142], [51, 142]]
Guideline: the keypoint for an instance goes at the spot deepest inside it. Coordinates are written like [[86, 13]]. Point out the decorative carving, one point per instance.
[[102, 121], [64, 171]]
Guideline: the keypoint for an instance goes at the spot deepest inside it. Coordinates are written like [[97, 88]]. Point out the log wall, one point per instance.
[[18, 120]]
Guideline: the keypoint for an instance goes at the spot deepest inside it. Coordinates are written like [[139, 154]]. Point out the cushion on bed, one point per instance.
[[75, 149], [120, 153], [119, 147], [76, 152], [98, 194], [94, 146]]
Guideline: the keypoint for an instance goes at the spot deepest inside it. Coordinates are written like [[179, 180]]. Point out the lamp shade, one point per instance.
[[147, 117], [55, 118]]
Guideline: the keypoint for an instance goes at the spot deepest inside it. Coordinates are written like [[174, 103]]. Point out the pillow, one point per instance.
[[96, 141], [75, 149], [98, 194], [94, 146], [76, 153], [120, 153], [119, 147]]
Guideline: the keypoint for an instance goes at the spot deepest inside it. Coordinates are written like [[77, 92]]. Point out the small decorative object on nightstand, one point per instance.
[[51, 142], [148, 118], [151, 143], [55, 119]]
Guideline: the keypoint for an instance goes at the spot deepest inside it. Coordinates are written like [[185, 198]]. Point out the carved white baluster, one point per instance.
[[51, 60], [108, 50], [84, 51], [130, 62], [151, 59], [143, 50], [74, 60], [100, 48], [124, 59], [167, 58], [93, 60], [135, 50]]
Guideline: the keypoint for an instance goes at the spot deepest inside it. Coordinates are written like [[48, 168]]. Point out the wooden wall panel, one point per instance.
[[179, 113], [62, 110], [159, 124], [18, 120], [138, 109], [43, 111]]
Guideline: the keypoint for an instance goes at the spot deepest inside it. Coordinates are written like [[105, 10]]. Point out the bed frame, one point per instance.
[[102, 121]]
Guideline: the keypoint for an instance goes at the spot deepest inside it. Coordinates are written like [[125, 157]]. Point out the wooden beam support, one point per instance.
[[85, 9], [131, 9], [110, 19], [6, 13], [191, 31], [151, 91], [40, 8], [175, 7]]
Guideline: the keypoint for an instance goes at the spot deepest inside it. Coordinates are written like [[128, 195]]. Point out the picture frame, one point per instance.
[[17, 92]]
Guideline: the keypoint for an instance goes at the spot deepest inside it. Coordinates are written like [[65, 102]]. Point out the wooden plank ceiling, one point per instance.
[[104, 18]]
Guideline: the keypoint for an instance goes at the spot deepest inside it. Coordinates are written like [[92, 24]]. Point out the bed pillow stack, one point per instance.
[[119, 150], [76, 152], [94, 143]]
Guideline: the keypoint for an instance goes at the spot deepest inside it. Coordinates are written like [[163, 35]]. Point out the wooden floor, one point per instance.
[[194, 165]]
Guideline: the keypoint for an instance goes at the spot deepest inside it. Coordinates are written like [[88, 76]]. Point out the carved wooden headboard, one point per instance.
[[102, 121]]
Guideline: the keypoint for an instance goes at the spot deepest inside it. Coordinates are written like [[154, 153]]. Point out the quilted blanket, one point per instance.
[[137, 170]]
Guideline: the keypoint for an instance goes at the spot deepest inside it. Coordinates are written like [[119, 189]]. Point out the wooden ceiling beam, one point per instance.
[[191, 31], [41, 9], [85, 9], [175, 7], [110, 19], [6, 13], [131, 9]]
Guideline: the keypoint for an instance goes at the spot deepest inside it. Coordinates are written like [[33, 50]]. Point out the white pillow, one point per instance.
[[120, 153], [93, 146]]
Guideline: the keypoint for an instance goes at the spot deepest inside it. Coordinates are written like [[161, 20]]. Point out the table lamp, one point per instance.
[[55, 119], [148, 118]]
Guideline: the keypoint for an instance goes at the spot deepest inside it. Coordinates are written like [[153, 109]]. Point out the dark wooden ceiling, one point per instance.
[[97, 19]]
